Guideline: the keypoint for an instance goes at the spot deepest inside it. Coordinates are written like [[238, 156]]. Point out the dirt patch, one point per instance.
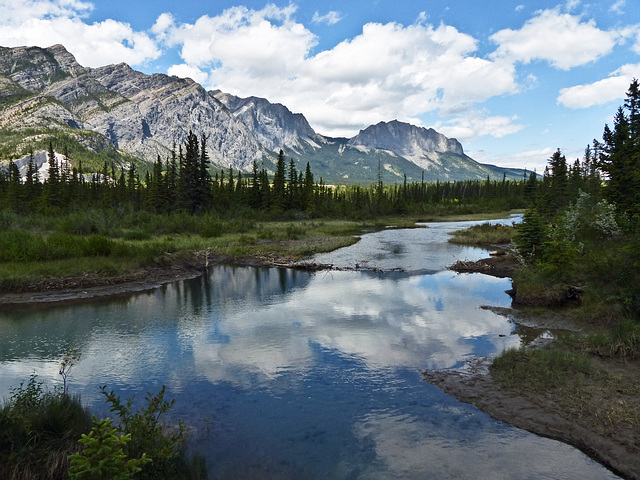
[[498, 265], [614, 444]]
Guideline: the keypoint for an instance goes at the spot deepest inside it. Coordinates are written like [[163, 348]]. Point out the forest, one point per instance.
[[580, 235]]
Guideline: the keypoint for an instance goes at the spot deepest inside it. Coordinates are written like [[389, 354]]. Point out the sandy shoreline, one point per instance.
[[616, 448]]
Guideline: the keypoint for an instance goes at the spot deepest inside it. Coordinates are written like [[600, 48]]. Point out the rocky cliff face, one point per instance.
[[274, 125], [417, 144], [143, 115], [44, 91]]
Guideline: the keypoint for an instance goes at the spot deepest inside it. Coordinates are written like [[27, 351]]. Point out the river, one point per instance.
[[286, 374]]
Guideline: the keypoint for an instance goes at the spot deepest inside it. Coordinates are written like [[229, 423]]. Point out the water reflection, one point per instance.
[[310, 375]]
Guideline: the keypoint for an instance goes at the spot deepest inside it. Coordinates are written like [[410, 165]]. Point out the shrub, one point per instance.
[[102, 456], [149, 436]]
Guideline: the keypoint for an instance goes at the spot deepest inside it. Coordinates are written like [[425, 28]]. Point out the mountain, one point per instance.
[[143, 115], [116, 114]]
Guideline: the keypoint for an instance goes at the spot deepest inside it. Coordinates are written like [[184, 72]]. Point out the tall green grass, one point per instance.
[[484, 234], [38, 430]]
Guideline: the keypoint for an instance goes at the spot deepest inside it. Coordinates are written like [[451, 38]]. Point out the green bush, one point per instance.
[[102, 456], [150, 437]]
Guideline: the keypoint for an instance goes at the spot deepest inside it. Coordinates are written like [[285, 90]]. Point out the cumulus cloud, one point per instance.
[[187, 71], [387, 71], [18, 11], [44, 23], [477, 123], [258, 44], [330, 18], [603, 91], [563, 40]]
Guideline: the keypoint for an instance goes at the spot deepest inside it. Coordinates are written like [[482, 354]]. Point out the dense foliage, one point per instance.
[[581, 232], [48, 434]]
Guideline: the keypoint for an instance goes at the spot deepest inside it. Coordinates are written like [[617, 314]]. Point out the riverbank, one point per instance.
[[597, 410], [89, 286], [180, 257]]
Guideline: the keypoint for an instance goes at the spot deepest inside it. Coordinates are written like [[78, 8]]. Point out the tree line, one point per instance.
[[186, 182]]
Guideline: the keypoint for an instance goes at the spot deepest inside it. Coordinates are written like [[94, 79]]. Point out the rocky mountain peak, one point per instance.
[[406, 138], [45, 90], [423, 146], [66, 60], [274, 125]]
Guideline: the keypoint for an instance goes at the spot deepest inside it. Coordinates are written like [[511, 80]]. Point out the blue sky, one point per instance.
[[513, 81]]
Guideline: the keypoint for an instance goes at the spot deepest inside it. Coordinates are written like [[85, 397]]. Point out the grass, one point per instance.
[[32, 258], [38, 430], [592, 375], [77, 249], [540, 368], [484, 234]]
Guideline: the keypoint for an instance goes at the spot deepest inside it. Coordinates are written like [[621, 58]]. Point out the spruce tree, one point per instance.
[[278, 192]]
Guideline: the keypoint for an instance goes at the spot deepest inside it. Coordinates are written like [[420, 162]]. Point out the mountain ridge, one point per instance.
[[45, 91]]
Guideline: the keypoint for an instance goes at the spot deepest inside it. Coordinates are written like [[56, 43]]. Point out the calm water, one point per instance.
[[285, 374]]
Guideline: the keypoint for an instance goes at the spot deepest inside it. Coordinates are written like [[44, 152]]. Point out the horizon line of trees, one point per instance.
[[184, 183]]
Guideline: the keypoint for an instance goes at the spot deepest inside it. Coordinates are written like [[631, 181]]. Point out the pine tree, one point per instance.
[[278, 192], [255, 195], [619, 154], [53, 197]]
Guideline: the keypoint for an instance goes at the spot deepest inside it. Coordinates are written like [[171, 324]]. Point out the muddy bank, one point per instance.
[[89, 286], [594, 425], [498, 265], [616, 446]]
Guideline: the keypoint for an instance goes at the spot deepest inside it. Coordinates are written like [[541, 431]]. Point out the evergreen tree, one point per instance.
[[205, 198], [172, 178], [557, 183], [53, 197], [620, 153], [278, 192], [255, 195]]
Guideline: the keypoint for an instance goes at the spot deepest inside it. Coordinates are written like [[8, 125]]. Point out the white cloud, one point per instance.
[[603, 91], [530, 159], [257, 44], [330, 18], [561, 39], [18, 11], [618, 7], [572, 5], [475, 124], [186, 71], [164, 23], [388, 71], [44, 23]]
